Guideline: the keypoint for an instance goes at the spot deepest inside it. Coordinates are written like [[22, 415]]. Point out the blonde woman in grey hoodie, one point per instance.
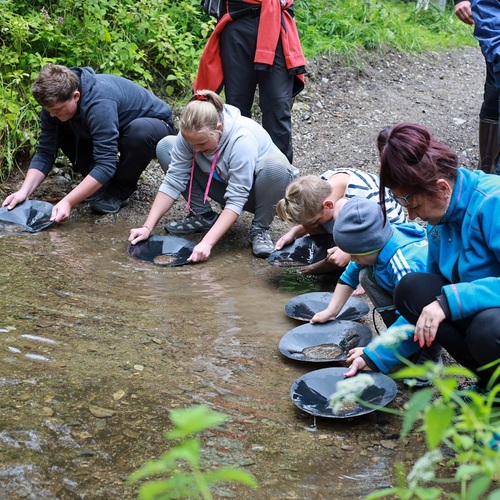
[[228, 158]]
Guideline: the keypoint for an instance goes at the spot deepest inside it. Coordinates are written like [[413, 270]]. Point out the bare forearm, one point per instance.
[[226, 219]]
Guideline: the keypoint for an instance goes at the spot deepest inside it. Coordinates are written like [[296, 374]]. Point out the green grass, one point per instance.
[[342, 27]]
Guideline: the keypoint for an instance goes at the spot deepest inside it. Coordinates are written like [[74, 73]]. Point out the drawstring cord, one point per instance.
[[190, 189]]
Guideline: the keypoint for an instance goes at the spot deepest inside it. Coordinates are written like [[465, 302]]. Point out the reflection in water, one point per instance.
[[201, 333]]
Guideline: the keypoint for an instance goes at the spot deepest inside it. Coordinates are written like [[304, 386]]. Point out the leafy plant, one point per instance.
[[466, 422], [192, 483], [158, 44]]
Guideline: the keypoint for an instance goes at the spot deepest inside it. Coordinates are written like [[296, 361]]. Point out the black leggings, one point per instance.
[[137, 146], [473, 342]]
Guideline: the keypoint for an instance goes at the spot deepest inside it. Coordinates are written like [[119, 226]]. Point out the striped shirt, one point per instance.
[[367, 185]]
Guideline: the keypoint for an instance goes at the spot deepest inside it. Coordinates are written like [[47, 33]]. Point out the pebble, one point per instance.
[[99, 412]]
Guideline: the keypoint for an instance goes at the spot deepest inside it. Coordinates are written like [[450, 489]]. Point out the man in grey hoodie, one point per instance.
[[106, 125]]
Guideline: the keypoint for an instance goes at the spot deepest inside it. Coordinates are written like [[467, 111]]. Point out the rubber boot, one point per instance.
[[489, 148]]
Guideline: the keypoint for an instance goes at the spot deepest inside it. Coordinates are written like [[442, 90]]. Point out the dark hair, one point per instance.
[[412, 160], [54, 84], [382, 139]]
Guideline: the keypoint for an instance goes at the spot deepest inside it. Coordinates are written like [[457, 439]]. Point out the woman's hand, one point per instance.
[[14, 199], [201, 252], [430, 318], [139, 234]]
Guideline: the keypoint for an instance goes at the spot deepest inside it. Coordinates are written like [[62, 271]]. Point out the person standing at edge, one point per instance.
[[106, 125], [256, 42], [489, 139]]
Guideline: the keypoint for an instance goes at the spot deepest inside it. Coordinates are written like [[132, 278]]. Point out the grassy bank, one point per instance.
[[158, 44]]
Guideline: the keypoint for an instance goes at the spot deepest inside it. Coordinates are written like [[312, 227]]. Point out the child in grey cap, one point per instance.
[[381, 254]]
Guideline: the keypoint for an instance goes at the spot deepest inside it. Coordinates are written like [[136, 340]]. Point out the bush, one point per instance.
[[465, 423], [158, 44]]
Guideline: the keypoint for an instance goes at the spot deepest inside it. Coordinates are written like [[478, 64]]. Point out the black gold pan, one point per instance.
[[305, 306], [324, 342], [31, 216], [166, 251], [302, 252], [313, 392]]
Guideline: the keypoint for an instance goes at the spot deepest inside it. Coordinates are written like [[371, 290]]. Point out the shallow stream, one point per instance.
[[96, 348]]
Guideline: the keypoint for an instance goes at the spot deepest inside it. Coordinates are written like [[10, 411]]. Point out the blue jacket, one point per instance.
[[486, 15], [465, 249], [404, 253], [107, 104]]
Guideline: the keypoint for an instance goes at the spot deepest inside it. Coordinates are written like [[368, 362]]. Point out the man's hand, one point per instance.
[[14, 199], [60, 213], [464, 12]]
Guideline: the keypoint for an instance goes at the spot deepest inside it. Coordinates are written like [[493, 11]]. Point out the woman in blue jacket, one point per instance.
[[456, 303]]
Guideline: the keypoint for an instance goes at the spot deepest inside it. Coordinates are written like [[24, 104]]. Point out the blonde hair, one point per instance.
[[202, 113], [303, 199]]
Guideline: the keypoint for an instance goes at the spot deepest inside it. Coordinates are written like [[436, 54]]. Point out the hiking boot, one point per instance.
[[192, 224], [108, 204], [260, 239]]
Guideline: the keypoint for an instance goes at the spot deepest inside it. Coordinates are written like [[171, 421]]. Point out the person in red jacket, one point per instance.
[[256, 43]]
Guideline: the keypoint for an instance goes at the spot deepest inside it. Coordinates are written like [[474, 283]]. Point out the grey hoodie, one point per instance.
[[242, 146]]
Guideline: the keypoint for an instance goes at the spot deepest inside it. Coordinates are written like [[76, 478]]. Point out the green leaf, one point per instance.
[[193, 420], [416, 406], [477, 487], [150, 468], [383, 493], [188, 451], [438, 420], [225, 474], [178, 486], [428, 493], [495, 495]]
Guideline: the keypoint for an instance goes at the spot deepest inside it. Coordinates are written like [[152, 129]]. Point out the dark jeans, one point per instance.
[[137, 147], [238, 43], [491, 96], [473, 342]]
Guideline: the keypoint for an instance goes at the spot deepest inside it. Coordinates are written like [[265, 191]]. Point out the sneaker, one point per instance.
[[192, 224], [417, 383], [108, 204], [262, 245]]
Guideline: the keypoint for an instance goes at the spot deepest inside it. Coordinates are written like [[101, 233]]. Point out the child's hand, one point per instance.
[[285, 240], [338, 257], [322, 317], [357, 365], [354, 354]]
